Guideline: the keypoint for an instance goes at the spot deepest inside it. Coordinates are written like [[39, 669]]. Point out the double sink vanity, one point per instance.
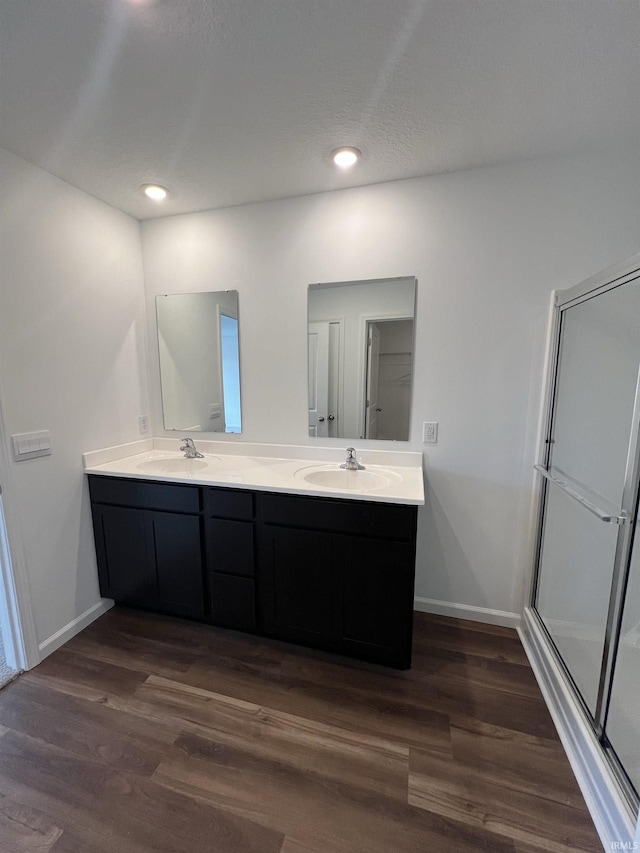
[[275, 540]]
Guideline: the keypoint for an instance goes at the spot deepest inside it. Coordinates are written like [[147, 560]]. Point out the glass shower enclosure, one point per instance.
[[586, 590]]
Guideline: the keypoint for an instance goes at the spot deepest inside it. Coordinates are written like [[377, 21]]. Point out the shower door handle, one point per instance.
[[607, 517]]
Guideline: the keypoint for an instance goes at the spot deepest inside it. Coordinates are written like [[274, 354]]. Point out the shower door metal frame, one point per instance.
[[623, 273]]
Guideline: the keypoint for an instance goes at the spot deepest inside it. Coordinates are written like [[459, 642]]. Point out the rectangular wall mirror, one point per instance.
[[199, 361], [361, 341]]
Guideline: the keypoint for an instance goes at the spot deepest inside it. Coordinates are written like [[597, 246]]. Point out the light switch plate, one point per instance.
[[29, 445]]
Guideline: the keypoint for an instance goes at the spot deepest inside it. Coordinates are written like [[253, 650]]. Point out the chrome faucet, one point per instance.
[[352, 463], [190, 450]]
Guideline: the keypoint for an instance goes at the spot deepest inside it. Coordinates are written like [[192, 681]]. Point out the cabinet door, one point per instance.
[[373, 612], [176, 556], [121, 550], [295, 589]]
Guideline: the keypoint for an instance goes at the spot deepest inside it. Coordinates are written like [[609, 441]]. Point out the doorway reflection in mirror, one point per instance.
[[361, 341]]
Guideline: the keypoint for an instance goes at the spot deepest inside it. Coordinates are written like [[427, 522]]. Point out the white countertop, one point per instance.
[[390, 476]]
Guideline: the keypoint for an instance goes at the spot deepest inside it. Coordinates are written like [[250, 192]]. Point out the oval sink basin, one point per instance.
[[351, 481], [180, 465]]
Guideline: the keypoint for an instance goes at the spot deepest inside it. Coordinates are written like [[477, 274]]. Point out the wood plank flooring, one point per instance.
[[146, 733]]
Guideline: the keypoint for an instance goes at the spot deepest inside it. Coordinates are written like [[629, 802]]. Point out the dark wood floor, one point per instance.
[[151, 734]]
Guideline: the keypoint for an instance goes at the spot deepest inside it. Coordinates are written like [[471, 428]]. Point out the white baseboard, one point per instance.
[[74, 627], [466, 611], [607, 806]]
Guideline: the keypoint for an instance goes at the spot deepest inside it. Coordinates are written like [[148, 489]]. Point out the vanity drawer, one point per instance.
[[229, 503], [358, 518], [230, 546], [144, 495]]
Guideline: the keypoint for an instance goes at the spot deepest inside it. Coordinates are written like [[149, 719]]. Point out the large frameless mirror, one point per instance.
[[361, 342], [199, 361]]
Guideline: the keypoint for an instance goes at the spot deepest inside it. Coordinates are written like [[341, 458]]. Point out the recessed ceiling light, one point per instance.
[[155, 191], [346, 156]]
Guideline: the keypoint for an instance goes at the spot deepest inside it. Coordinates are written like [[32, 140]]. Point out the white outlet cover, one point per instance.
[[430, 432]]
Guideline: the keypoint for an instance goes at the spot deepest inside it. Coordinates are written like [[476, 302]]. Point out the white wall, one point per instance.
[[487, 246], [72, 360]]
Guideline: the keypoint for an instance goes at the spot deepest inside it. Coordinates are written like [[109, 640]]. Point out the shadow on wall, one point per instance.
[[86, 560], [75, 538], [457, 540]]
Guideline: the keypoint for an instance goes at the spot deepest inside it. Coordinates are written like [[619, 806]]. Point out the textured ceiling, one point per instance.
[[232, 101]]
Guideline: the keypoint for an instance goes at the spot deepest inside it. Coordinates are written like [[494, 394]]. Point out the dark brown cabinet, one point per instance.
[[329, 588], [151, 559], [121, 548], [328, 573], [177, 559], [374, 607], [296, 584], [231, 557]]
